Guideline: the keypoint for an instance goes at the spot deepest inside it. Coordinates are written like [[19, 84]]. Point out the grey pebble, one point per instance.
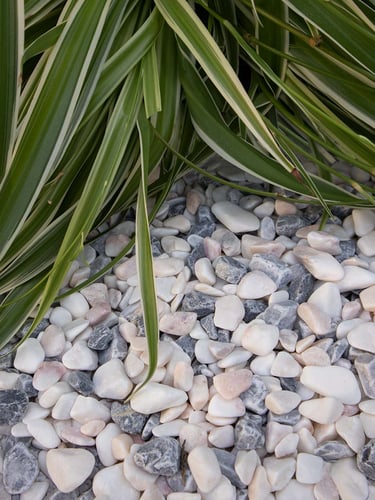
[[127, 419], [202, 229], [267, 228], [301, 287], [205, 216], [156, 247], [287, 225], [365, 366], [253, 398], [20, 469], [288, 383], [226, 461], [198, 302], [253, 307], [152, 421], [337, 350], [275, 268], [13, 406], [248, 432], [366, 460], [331, 451], [348, 248], [99, 263], [208, 325], [281, 314], [187, 344], [81, 382], [290, 418], [24, 383], [59, 495], [229, 269], [159, 456], [118, 348], [100, 338], [197, 253]]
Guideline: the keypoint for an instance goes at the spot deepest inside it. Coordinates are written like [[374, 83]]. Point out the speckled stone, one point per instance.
[[229, 269], [100, 338], [199, 303], [81, 382], [366, 460], [127, 419], [331, 451], [301, 288], [253, 307], [248, 432], [254, 396], [287, 225], [20, 469], [25, 383], [365, 366], [13, 406], [276, 269], [281, 314], [159, 456], [227, 461]]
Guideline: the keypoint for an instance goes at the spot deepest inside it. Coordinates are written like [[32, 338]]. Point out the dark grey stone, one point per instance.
[[198, 302], [118, 348], [288, 383], [204, 215], [59, 495], [275, 268], [312, 213], [365, 366], [301, 288], [341, 212], [366, 460], [234, 196], [152, 421], [197, 253], [288, 225], [81, 382], [253, 308], [202, 229], [281, 314], [127, 419], [229, 269], [226, 461], [290, 418], [20, 469], [13, 406], [99, 263], [25, 383], [253, 398], [100, 338], [183, 480], [177, 209], [187, 344], [208, 325], [39, 328], [88, 495], [160, 455], [156, 247], [194, 240], [242, 494], [6, 357], [337, 350], [223, 335], [348, 248], [267, 228], [248, 432], [331, 451]]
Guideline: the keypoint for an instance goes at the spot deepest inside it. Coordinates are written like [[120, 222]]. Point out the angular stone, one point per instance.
[[279, 471], [159, 456], [80, 357], [276, 269], [254, 397], [127, 419], [220, 407], [281, 402], [227, 463], [24, 383], [81, 382], [317, 320], [248, 432], [337, 350], [118, 348], [281, 314], [199, 303], [252, 309], [285, 365], [334, 381], [366, 460], [235, 218], [287, 225], [100, 338], [13, 406], [365, 366], [300, 288], [331, 451], [20, 469], [351, 430], [229, 269]]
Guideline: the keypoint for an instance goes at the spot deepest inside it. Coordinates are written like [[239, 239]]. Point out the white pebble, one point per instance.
[[155, 397], [44, 432], [351, 430], [363, 337], [349, 481], [279, 471], [49, 397], [281, 402], [255, 285], [367, 298], [87, 408], [317, 320], [222, 437], [169, 266], [80, 357], [334, 381], [69, 467], [260, 339], [235, 218], [245, 465], [110, 380], [137, 477], [103, 444], [76, 304], [37, 491], [110, 482], [74, 328], [204, 272], [328, 299], [63, 406], [220, 407], [29, 356], [60, 316], [48, 373], [363, 220], [355, 278], [321, 265], [178, 323], [285, 365], [309, 468], [325, 242], [324, 410], [229, 312], [205, 468], [53, 340]]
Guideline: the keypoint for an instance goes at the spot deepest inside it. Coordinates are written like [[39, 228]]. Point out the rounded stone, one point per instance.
[[69, 467], [20, 469]]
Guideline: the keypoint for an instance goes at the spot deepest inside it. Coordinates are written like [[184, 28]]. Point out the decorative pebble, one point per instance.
[[229, 312], [281, 402], [324, 410], [76, 304], [29, 356], [255, 285], [205, 468], [231, 384], [235, 218], [110, 482], [260, 339], [321, 265], [80, 357], [111, 381], [20, 469], [69, 468], [178, 323], [333, 381], [309, 468], [155, 397], [349, 481], [363, 337], [279, 471], [367, 297], [13, 406]]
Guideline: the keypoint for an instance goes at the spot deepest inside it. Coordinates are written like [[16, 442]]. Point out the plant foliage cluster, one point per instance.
[[106, 103]]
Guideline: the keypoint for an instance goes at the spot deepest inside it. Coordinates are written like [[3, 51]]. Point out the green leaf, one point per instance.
[[44, 42], [351, 35], [183, 20], [11, 48], [48, 120], [150, 78]]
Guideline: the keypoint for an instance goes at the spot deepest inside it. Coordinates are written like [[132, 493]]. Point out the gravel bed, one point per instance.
[[265, 386]]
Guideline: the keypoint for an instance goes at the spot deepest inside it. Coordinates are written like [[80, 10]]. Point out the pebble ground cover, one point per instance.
[[265, 386]]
